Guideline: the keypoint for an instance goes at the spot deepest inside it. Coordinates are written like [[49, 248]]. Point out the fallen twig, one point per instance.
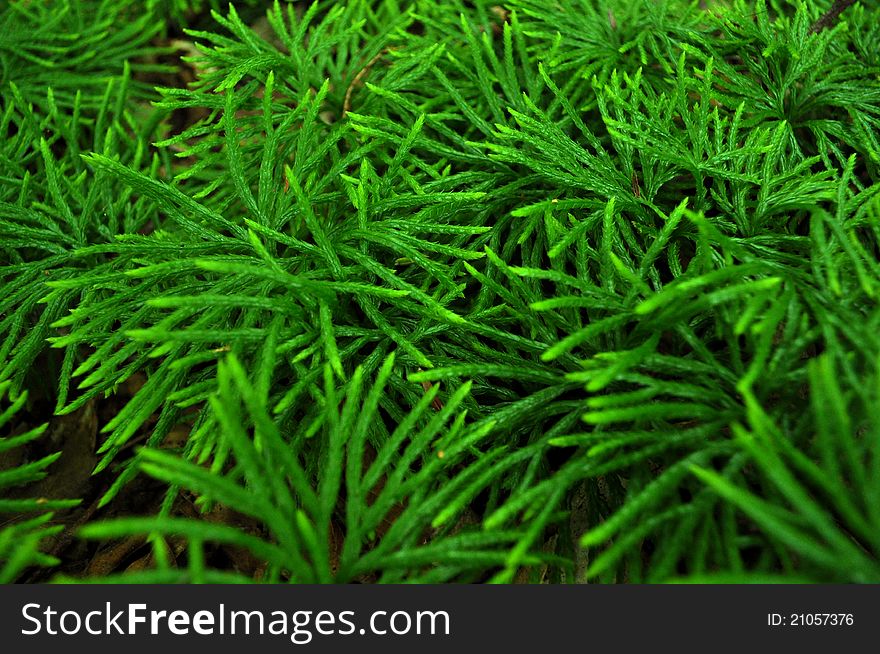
[[358, 79], [830, 17]]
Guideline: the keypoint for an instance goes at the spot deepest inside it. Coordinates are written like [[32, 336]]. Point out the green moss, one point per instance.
[[435, 286]]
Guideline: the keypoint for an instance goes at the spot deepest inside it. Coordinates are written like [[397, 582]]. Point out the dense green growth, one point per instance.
[[535, 290]]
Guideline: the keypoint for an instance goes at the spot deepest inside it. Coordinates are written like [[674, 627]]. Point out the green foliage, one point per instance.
[[21, 536], [421, 487], [433, 288], [54, 215], [818, 502], [73, 48]]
